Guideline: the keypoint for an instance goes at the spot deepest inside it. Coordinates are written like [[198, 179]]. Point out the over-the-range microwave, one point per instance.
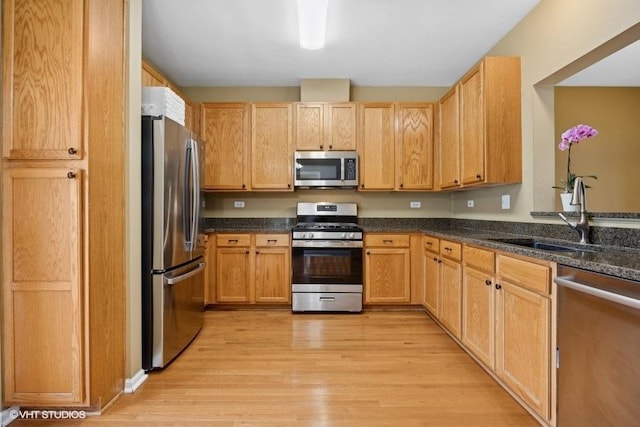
[[325, 169]]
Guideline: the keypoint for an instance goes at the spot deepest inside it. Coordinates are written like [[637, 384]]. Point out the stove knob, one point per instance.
[[343, 235], [310, 236], [352, 235]]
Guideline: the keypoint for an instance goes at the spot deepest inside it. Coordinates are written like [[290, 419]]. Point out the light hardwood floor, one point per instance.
[[276, 368]]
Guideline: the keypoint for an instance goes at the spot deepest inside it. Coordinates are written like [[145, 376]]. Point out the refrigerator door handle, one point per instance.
[[185, 276], [195, 170]]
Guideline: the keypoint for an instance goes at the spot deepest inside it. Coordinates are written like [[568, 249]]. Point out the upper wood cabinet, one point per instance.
[[377, 145], [226, 131], [414, 163], [325, 126], [272, 146], [480, 126], [449, 141], [43, 73]]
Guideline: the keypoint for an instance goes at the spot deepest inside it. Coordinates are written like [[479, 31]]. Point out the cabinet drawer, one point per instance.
[[233, 240], [532, 276], [481, 259], [269, 240], [451, 250], [431, 244], [387, 240]]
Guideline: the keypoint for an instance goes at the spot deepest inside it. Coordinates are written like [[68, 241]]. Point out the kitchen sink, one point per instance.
[[537, 244]]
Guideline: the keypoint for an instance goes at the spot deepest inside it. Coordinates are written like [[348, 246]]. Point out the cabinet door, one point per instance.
[[523, 353], [478, 314], [42, 275], [43, 74], [415, 143], [232, 275], [431, 268], [451, 296], [376, 144], [387, 275], [472, 128], [273, 275], [225, 132], [309, 126], [449, 142], [271, 147], [340, 133]]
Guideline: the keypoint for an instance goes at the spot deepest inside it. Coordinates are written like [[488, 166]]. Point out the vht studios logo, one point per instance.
[[34, 414]]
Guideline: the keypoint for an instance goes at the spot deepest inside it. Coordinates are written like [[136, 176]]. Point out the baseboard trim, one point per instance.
[[9, 415], [132, 384]]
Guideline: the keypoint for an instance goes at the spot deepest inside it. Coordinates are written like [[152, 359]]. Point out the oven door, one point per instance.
[[327, 263]]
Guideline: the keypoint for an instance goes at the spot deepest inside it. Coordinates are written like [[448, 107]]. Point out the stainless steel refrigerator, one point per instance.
[[172, 240]]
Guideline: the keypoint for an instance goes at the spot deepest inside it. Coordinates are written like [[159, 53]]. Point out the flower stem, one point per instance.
[[569, 168]]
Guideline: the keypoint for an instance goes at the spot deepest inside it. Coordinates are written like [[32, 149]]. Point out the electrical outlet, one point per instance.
[[238, 204], [415, 205], [470, 203], [506, 201]]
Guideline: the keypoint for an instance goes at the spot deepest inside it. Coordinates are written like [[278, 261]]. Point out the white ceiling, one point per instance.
[[371, 42]]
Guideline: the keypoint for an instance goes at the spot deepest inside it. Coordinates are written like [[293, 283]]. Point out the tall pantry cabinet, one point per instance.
[[63, 192]]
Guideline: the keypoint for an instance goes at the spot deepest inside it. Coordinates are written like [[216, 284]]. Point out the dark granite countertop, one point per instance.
[[616, 252]]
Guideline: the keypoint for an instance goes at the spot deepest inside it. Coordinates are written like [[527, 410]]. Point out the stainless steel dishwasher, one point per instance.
[[598, 349]]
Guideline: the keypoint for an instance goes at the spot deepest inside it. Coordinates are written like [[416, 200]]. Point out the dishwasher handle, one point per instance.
[[599, 293]]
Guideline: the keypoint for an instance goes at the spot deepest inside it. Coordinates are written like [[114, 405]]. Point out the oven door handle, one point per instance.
[[599, 293], [324, 244]]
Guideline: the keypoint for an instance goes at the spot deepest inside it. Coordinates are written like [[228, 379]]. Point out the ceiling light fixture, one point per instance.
[[312, 23]]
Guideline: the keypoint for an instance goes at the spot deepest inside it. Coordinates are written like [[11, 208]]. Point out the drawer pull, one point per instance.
[[429, 244], [487, 282], [246, 252], [272, 240], [498, 286], [387, 241], [71, 175], [72, 151], [327, 299], [448, 249], [232, 241]]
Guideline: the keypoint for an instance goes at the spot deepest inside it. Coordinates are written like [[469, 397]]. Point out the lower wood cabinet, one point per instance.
[[387, 269], [442, 281], [506, 308], [252, 268]]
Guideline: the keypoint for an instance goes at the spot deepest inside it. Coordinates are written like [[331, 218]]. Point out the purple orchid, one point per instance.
[[569, 137]]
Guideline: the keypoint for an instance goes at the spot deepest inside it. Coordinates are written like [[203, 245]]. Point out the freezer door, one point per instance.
[[178, 311]]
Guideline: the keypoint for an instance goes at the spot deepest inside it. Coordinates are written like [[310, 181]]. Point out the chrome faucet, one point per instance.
[[579, 198]]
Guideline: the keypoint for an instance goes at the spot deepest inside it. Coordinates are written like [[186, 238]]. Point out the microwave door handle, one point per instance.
[[342, 169]]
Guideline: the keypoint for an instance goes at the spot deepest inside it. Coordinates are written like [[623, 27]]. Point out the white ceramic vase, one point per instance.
[[566, 202]]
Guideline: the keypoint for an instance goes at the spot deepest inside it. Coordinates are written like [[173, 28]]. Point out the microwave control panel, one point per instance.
[[350, 173]]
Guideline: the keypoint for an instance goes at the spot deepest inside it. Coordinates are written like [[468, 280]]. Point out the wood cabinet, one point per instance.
[[152, 77], [253, 268], [226, 132], [325, 126], [442, 281], [414, 163], [449, 141], [377, 146], [272, 146], [210, 270], [523, 353], [431, 274], [387, 269], [483, 111], [63, 193], [451, 286], [490, 123], [478, 303]]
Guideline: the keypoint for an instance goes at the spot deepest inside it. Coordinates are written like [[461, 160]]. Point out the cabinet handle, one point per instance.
[[244, 186], [321, 146], [368, 253], [487, 282], [246, 252], [401, 185], [257, 252], [289, 185], [429, 244], [455, 181], [498, 286], [387, 241], [479, 177], [232, 241], [439, 261], [71, 175], [272, 240], [72, 151], [330, 146], [361, 185], [448, 250], [435, 259]]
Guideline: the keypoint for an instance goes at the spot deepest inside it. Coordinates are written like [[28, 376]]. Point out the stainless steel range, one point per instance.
[[327, 258]]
